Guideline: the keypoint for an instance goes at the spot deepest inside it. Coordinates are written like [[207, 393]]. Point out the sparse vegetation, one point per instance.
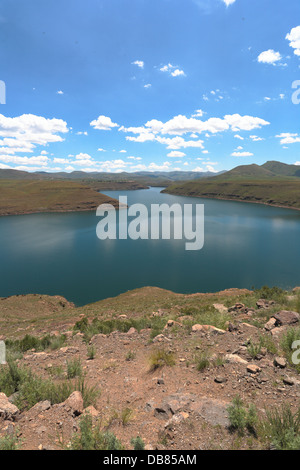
[[138, 443], [242, 418], [74, 368], [91, 437], [160, 358], [281, 428]]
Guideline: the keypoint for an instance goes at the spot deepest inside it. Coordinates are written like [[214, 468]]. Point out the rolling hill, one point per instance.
[[273, 183]]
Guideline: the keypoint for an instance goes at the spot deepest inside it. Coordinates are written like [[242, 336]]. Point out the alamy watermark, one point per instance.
[[2, 92], [164, 222], [296, 94]]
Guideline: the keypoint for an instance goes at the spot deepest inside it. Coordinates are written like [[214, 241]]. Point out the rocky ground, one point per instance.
[[179, 405]]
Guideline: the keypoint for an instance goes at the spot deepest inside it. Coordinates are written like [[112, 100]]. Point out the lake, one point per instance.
[[59, 254]]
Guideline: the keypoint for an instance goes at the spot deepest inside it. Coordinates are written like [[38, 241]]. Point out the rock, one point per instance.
[[220, 380], [280, 362], [74, 403], [235, 359], [196, 328], [207, 329], [237, 308], [160, 381], [41, 406], [69, 350], [160, 339], [286, 317], [132, 332], [289, 381], [91, 411], [253, 369], [264, 304], [221, 308], [178, 418], [171, 323], [271, 324], [8, 411], [213, 411], [232, 327]]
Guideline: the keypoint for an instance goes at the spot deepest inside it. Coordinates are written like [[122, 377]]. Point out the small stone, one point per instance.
[[220, 380], [253, 369], [280, 362]]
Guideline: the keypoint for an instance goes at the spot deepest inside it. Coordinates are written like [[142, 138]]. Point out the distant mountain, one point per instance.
[[273, 183], [246, 172], [145, 177], [282, 169]]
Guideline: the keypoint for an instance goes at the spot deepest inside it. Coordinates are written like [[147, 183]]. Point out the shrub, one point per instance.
[[160, 358], [126, 416], [282, 428], [241, 418], [10, 442], [74, 368], [137, 443], [91, 437], [91, 352], [33, 389], [203, 361], [254, 349], [271, 293]]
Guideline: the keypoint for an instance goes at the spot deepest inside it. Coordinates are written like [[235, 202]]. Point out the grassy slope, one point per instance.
[[41, 313], [25, 197], [273, 183], [281, 192]]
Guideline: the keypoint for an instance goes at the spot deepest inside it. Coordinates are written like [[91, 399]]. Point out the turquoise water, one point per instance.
[[59, 254]]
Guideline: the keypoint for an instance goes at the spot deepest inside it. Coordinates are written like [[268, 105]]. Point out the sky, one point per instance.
[[148, 85]]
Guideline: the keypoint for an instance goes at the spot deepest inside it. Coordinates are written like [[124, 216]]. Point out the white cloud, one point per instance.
[[174, 71], [242, 154], [148, 85], [40, 160], [82, 133], [294, 37], [178, 73], [123, 151], [176, 154], [139, 63], [59, 92], [255, 138], [288, 138], [238, 137], [228, 2], [269, 57], [103, 123], [101, 150], [23, 133]]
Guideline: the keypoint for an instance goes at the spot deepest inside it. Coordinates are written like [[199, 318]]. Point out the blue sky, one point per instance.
[[130, 85]]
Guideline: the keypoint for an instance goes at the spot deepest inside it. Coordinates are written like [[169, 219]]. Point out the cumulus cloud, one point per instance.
[[139, 63], [294, 37], [269, 57], [176, 154], [173, 70], [23, 133], [288, 138], [242, 154], [103, 123]]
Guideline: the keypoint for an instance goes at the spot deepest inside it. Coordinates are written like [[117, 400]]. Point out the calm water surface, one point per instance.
[[59, 254]]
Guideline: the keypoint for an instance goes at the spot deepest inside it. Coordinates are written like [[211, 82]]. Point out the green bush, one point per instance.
[[160, 358], [242, 418], [32, 389], [74, 368], [137, 443], [282, 428], [9, 442], [91, 437]]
